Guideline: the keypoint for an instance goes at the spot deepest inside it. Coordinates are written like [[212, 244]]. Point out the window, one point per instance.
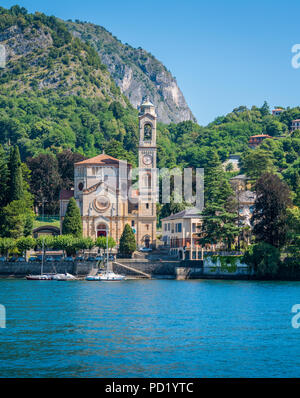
[[147, 132], [147, 205], [179, 227], [194, 227], [132, 223]]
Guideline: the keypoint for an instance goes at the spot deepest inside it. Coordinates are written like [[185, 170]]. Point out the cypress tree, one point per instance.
[[72, 224], [16, 185], [3, 178], [217, 189], [127, 241]]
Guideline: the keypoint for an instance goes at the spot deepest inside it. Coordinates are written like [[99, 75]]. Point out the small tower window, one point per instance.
[[147, 132]]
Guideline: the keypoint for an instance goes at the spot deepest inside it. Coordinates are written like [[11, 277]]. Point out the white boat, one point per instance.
[[42, 277], [111, 276], [93, 277], [64, 277]]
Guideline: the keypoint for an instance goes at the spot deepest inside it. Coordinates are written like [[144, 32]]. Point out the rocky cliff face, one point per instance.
[[137, 73]]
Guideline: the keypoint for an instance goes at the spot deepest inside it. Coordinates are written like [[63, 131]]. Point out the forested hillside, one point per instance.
[[56, 95]]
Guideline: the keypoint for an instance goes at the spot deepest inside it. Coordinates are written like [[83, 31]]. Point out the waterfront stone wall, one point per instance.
[[15, 269], [226, 267], [153, 268], [215, 266]]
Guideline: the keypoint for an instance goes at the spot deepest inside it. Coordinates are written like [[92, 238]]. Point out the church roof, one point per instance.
[[102, 159]]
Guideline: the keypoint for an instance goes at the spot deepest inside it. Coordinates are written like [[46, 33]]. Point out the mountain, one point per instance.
[[56, 94], [136, 72], [41, 54]]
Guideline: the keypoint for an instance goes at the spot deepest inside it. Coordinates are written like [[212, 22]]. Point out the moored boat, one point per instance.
[[64, 277], [93, 277], [43, 277], [111, 276]]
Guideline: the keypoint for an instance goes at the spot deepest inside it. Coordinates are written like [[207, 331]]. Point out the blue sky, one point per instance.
[[223, 53]]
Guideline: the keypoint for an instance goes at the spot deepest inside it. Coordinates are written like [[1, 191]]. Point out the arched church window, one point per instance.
[[147, 132]]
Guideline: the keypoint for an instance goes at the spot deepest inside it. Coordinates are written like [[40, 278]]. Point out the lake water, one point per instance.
[[157, 328]]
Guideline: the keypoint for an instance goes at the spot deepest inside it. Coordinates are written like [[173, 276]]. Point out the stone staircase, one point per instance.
[[157, 263]]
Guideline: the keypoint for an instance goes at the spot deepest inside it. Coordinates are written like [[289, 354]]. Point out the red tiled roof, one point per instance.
[[296, 120], [260, 135], [102, 159], [66, 194]]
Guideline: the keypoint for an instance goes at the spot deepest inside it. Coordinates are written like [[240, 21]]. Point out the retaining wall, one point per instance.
[[80, 268]]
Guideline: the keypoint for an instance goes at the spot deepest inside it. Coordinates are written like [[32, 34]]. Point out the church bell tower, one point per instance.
[[147, 173], [147, 144]]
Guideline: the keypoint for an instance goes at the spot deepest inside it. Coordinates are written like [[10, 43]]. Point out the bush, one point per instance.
[[263, 258]]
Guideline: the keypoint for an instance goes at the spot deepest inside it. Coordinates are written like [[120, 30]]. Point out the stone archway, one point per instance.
[[102, 230]]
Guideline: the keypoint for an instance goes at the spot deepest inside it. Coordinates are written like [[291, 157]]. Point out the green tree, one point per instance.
[[293, 234], [66, 160], [265, 109], [257, 162], [263, 258], [45, 182], [269, 220], [101, 242], [218, 225], [16, 185], [66, 243], [127, 241], [217, 189], [4, 178], [7, 245], [25, 243], [72, 223], [16, 219]]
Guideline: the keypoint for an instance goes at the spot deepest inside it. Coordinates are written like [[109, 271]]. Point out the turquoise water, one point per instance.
[[158, 328]]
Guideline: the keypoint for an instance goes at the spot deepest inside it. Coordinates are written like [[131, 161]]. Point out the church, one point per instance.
[[111, 194]]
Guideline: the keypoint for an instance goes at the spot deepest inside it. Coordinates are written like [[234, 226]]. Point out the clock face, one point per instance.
[[147, 159]]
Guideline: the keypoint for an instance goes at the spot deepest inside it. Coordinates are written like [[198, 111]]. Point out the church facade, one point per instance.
[[110, 194]]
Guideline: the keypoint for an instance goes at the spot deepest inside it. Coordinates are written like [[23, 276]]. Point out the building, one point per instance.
[[239, 182], [106, 196], [245, 198], [256, 140], [234, 161], [277, 111], [295, 125], [180, 234]]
